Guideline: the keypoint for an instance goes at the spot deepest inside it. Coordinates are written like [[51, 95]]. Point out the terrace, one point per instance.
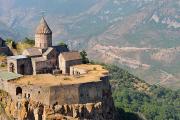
[[94, 73]]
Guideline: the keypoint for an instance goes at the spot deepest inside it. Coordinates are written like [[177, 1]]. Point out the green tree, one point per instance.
[[84, 58], [11, 43], [63, 44], [28, 41]]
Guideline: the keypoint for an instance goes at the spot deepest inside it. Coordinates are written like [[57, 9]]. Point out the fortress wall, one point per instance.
[[36, 93], [79, 93], [91, 92], [94, 91], [65, 94], [9, 87]]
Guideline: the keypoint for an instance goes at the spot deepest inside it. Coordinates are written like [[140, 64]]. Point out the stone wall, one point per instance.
[[62, 94], [77, 71], [41, 67], [62, 64], [65, 65], [79, 93], [71, 63], [20, 66], [36, 93], [43, 40], [81, 101], [24, 66]]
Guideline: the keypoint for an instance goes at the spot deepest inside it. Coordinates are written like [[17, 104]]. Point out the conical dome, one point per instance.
[[43, 27]]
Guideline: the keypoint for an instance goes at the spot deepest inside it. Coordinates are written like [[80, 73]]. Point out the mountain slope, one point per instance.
[[136, 96]]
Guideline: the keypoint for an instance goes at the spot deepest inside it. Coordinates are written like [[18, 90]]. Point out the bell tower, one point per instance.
[[43, 36]]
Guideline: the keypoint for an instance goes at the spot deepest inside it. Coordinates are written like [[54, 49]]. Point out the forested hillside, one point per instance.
[[132, 95]]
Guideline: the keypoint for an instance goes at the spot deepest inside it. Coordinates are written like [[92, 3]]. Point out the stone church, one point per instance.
[[44, 57]]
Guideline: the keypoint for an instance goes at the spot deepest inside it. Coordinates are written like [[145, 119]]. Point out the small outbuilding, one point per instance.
[[67, 59]]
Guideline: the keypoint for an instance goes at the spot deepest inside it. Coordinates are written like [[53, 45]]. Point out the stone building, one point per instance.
[[20, 64], [43, 57], [67, 59], [43, 36]]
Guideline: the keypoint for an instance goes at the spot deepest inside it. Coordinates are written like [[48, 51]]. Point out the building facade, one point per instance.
[[43, 57]]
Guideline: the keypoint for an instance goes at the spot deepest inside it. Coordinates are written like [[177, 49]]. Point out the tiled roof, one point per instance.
[[4, 75], [43, 27], [71, 55], [33, 51]]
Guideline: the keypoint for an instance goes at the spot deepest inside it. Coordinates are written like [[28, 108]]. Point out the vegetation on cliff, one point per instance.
[[132, 95], [3, 103], [18, 47], [84, 57]]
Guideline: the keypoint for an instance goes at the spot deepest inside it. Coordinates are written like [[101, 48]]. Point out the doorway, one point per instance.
[[18, 90], [22, 69]]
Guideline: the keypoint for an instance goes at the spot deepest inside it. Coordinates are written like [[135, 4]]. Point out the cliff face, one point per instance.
[[27, 109]]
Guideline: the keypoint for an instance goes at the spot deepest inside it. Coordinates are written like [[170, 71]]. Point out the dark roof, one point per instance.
[[43, 27], [68, 56], [61, 49], [33, 51], [1, 39], [2, 42]]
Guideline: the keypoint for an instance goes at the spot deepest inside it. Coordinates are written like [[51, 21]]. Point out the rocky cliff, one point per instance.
[[27, 109]]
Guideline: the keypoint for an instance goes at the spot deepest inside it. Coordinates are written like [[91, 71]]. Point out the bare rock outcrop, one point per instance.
[[27, 109]]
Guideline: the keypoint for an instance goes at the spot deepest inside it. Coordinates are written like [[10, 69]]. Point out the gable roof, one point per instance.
[[68, 56], [32, 52], [43, 27]]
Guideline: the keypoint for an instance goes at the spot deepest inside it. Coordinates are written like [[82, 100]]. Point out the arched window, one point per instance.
[[11, 67], [18, 90]]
